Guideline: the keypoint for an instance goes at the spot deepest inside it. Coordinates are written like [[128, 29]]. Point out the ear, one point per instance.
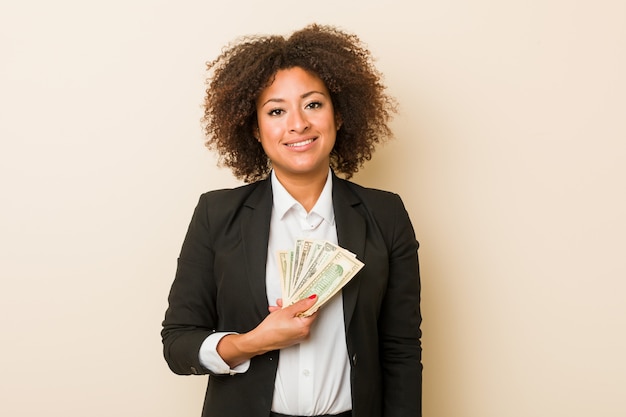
[[338, 121], [256, 133]]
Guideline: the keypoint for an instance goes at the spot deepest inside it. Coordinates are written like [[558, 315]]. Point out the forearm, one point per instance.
[[235, 349], [399, 326], [280, 329]]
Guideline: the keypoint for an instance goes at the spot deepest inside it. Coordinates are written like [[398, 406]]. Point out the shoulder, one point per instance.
[[225, 205], [243, 190], [373, 198], [233, 197], [383, 208]]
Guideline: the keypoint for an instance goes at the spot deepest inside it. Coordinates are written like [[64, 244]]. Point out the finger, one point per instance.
[[304, 304], [279, 304]]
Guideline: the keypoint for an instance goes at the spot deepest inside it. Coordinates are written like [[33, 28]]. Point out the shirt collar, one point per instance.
[[283, 201]]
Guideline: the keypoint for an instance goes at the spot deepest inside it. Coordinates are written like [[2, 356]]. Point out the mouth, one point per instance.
[[300, 143]]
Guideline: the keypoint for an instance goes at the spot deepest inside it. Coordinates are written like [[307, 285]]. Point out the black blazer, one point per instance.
[[220, 286]]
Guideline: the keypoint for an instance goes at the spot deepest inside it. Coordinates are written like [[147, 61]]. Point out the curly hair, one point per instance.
[[245, 68]]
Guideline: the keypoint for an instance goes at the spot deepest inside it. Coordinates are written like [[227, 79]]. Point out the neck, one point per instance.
[[304, 189]]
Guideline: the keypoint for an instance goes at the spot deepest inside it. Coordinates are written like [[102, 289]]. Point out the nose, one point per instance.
[[298, 122]]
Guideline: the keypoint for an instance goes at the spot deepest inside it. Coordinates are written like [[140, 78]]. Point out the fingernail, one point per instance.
[[312, 296]]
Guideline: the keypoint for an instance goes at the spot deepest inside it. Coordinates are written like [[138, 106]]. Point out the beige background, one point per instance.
[[510, 153]]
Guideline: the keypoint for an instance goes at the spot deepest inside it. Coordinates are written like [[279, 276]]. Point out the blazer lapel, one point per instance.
[[255, 229], [255, 232], [351, 229]]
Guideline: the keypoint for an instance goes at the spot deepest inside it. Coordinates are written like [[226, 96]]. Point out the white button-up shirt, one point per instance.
[[313, 376]]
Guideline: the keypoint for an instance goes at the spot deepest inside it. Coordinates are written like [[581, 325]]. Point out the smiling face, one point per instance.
[[296, 124]]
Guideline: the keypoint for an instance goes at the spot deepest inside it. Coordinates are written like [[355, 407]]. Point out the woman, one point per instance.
[[286, 115]]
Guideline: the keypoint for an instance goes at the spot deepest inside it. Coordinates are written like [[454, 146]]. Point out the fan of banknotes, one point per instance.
[[315, 267]]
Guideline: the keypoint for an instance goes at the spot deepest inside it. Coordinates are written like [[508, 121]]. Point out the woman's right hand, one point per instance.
[[282, 328]]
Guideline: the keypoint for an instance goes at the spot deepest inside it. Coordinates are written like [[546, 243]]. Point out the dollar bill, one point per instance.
[[284, 269], [315, 267], [324, 255]]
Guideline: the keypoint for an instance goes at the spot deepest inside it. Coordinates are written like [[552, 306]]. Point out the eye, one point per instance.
[[314, 105], [275, 112]]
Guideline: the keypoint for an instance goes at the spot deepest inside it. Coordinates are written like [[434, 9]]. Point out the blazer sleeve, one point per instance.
[[191, 313], [400, 318]]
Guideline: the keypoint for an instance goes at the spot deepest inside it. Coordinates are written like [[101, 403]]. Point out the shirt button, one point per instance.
[[306, 372]]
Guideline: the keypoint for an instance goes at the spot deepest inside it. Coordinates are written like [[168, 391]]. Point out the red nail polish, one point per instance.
[[312, 296]]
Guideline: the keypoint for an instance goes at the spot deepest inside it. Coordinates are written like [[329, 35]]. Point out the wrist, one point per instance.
[[238, 348], [251, 343]]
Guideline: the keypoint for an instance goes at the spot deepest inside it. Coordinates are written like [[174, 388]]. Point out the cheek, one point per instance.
[[269, 130], [270, 142]]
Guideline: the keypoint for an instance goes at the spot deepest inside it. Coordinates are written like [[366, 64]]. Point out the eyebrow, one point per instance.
[[305, 95]]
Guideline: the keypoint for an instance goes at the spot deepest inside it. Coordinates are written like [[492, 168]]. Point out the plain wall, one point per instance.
[[510, 156]]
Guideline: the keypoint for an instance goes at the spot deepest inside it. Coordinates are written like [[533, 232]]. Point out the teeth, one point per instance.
[[303, 143]]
